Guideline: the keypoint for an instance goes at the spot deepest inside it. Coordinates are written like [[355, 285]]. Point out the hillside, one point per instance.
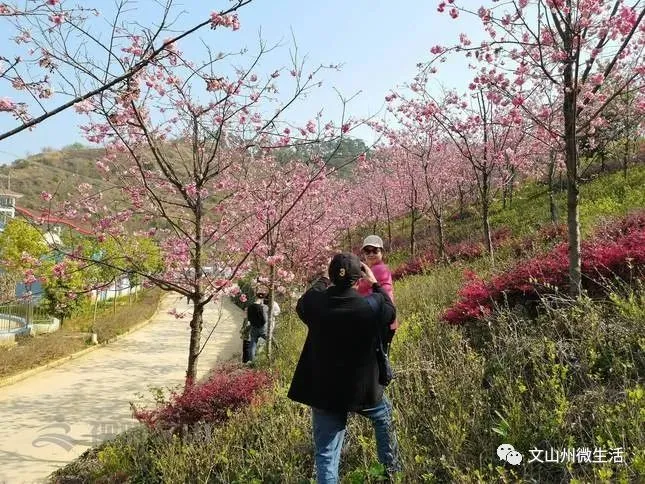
[[63, 170], [52, 171], [568, 376]]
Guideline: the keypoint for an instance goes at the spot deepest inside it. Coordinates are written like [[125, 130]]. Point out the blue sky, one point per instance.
[[378, 43]]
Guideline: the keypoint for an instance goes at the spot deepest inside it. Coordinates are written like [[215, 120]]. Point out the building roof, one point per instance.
[[8, 193], [50, 219]]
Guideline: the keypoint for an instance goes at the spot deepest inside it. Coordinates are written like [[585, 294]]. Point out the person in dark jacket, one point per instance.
[[258, 317], [338, 372]]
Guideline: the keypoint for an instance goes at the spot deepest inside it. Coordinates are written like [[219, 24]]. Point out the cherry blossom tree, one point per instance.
[[485, 134], [432, 160], [293, 234], [587, 51], [60, 59], [409, 191], [184, 146], [372, 192]]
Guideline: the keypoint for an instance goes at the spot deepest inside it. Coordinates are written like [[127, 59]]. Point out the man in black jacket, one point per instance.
[[338, 371]]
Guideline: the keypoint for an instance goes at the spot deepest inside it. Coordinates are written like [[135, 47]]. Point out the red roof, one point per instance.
[[48, 218]]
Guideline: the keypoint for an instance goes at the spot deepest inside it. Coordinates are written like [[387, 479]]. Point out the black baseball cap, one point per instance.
[[345, 269]]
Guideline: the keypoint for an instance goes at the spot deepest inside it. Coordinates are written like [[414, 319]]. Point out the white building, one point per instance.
[[7, 206]]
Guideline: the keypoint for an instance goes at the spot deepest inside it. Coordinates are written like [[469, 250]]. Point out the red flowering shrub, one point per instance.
[[465, 250], [416, 266], [547, 234], [614, 230], [209, 402], [623, 257], [522, 247]]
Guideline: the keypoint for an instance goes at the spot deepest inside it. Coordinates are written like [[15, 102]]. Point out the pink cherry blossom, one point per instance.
[[57, 18], [7, 105], [85, 106], [230, 21]]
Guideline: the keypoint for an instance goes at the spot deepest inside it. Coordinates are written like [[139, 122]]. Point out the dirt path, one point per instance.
[[51, 418]]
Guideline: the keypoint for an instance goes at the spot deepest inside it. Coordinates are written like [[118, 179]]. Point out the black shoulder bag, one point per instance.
[[385, 372]]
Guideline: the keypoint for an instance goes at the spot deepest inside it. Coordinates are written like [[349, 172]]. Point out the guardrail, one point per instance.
[[12, 324], [22, 318]]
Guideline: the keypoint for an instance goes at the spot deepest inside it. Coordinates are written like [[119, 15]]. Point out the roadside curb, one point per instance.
[[10, 380]]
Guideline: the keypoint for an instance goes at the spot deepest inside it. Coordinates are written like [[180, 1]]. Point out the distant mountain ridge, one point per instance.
[[61, 171]]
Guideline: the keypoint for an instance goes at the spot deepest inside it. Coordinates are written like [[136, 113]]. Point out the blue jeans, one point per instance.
[[256, 334], [329, 433]]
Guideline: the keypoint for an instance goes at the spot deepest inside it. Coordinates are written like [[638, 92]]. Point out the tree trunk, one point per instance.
[[197, 296], [271, 323], [485, 204], [602, 161], [349, 239], [573, 222], [626, 158], [114, 300], [389, 224], [571, 155], [553, 207], [96, 305], [442, 244], [487, 235], [413, 244], [196, 324], [504, 196], [461, 201]]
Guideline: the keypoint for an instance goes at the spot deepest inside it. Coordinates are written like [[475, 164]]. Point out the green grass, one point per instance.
[[603, 197], [606, 196]]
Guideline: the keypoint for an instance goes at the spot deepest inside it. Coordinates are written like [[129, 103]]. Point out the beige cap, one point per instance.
[[373, 241]]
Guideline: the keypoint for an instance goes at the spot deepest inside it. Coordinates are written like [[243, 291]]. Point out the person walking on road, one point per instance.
[[257, 314]]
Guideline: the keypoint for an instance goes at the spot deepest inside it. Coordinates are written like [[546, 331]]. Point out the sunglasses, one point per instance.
[[371, 250]]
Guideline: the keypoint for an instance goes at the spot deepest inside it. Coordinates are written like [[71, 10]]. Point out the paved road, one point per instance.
[[52, 417]]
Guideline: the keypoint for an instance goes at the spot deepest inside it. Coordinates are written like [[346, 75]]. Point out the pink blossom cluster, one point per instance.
[[7, 105], [230, 21]]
